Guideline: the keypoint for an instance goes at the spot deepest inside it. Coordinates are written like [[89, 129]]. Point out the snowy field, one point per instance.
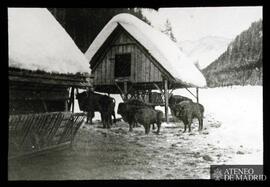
[[232, 134], [238, 110]]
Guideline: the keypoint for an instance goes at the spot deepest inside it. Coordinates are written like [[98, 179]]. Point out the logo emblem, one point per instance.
[[217, 175]]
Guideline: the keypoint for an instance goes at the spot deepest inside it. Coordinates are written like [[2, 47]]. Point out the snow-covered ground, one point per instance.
[[232, 134], [239, 112], [239, 109]]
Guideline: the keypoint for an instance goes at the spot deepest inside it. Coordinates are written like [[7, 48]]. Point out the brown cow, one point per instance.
[[90, 102], [128, 109], [187, 110], [148, 116], [176, 99]]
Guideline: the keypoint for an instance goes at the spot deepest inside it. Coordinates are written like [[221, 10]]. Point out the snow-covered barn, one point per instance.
[[132, 58], [45, 66]]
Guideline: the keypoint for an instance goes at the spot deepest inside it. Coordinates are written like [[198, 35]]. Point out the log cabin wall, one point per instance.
[[143, 70], [27, 98]]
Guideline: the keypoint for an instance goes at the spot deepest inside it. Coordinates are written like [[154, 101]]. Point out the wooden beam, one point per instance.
[[158, 88], [130, 88], [42, 80], [72, 99], [125, 89], [190, 92], [122, 94], [45, 75], [197, 93], [166, 100], [44, 105], [69, 100], [171, 91], [121, 91]]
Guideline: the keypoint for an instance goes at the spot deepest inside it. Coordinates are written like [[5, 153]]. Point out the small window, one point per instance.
[[122, 66]]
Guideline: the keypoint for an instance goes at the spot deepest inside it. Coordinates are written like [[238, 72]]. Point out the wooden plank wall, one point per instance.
[[142, 67]]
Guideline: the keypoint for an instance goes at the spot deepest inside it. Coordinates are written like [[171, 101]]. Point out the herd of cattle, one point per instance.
[[135, 111]]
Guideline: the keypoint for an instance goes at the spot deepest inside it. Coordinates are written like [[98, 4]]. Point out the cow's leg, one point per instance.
[[148, 126], [135, 124], [109, 121], [158, 126], [114, 118], [185, 127], [145, 129], [189, 125], [88, 117], [200, 124], [153, 126], [103, 119], [92, 116], [91, 120], [131, 124]]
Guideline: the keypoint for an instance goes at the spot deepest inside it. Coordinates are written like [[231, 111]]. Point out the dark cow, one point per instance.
[[187, 110], [176, 99], [90, 102], [147, 116], [129, 108]]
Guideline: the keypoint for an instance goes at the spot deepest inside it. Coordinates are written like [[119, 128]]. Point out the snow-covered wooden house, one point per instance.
[[45, 66], [132, 58]]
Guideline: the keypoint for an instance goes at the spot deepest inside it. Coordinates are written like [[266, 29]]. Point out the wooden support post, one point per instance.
[[45, 106], [166, 99], [197, 94], [69, 101], [72, 99], [149, 96], [66, 105], [125, 89]]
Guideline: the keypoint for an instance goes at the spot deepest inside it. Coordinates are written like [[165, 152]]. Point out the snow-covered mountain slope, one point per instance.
[[205, 50]]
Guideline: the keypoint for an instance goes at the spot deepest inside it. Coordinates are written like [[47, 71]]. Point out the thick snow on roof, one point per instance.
[[38, 42], [158, 45]]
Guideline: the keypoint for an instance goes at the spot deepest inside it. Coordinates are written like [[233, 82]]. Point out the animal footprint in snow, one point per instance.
[[205, 132], [240, 152], [207, 158]]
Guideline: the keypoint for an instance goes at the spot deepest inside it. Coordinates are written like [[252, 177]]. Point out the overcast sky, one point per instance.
[[195, 23]]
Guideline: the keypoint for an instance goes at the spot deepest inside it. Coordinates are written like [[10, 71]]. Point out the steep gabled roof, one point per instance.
[[157, 44], [38, 42]]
